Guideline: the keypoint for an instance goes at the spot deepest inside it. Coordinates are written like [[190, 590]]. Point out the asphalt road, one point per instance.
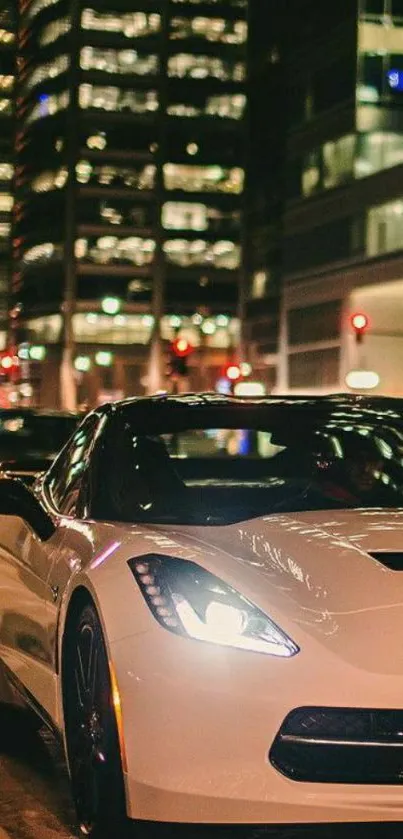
[[34, 793], [35, 802]]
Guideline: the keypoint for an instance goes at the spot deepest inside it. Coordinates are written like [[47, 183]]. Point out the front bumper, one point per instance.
[[199, 722]]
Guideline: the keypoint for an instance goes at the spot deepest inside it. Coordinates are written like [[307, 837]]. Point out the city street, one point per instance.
[[34, 794]]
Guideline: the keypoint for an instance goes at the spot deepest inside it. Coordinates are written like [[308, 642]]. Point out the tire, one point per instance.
[[93, 751]]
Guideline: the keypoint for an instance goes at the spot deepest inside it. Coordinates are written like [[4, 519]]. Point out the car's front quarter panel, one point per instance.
[[198, 720]]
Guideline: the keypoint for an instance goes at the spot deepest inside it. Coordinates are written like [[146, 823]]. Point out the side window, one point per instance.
[[69, 470]]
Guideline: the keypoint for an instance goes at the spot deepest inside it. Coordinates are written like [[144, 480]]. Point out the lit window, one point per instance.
[[39, 253], [211, 29], [132, 24], [81, 248], [6, 82], [203, 178], [116, 99], [228, 107], [181, 216], [384, 228], [182, 110], [38, 5], [188, 254], [118, 61], [45, 329], [6, 202], [49, 105], [185, 65], [97, 141], [47, 181], [48, 71], [142, 178], [132, 250], [5, 229], [54, 30], [6, 171], [338, 161], [5, 106], [259, 282], [96, 328], [83, 171], [6, 37], [376, 151]]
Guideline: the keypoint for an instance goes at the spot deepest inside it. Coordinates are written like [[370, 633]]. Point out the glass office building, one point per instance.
[[343, 236], [129, 183]]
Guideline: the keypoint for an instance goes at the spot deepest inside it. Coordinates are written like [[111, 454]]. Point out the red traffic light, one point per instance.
[[7, 362], [359, 321], [233, 372], [181, 347]]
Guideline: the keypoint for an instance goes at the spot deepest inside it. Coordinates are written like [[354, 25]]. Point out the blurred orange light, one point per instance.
[[117, 706]]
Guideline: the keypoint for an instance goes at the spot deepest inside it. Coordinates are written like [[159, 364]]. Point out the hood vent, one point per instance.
[[390, 559]]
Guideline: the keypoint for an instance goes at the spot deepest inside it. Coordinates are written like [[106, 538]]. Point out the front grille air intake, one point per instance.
[[340, 746]]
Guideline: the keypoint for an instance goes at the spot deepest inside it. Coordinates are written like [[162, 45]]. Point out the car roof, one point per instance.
[[165, 405]]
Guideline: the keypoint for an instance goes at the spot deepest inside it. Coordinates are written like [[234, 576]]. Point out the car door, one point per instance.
[[29, 600], [25, 562]]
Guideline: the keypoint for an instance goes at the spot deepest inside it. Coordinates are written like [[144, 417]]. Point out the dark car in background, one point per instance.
[[31, 438]]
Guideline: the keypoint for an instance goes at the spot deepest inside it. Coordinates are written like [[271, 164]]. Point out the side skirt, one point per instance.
[[27, 699]]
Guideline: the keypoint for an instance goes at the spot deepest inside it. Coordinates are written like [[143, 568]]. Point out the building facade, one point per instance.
[[343, 219], [265, 188], [7, 73], [129, 189]]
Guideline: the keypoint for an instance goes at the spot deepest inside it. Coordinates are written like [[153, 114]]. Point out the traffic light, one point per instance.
[[9, 364], [233, 372], [181, 347], [180, 350], [360, 324]]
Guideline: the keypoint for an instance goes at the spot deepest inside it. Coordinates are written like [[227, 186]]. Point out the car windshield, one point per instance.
[[285, 460], [25, 436]]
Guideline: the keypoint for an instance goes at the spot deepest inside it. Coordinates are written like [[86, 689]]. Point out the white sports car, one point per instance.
[[202, 597]]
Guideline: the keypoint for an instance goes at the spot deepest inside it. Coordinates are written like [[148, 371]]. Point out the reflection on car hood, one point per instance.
[[316, 570]]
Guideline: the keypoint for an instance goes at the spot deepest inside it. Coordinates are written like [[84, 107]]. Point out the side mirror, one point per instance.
[[16, 499]]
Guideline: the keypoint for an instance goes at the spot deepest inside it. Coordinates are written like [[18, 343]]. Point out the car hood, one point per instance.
[[315, 573]]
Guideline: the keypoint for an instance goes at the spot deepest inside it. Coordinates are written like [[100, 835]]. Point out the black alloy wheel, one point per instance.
[[93, 750]]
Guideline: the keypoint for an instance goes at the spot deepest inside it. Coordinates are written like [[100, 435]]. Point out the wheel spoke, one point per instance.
[[93, 676], [80, 676], [91, 652], [79, 689]]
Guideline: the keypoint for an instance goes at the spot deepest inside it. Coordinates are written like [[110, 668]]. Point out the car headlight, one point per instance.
[[189, 601]]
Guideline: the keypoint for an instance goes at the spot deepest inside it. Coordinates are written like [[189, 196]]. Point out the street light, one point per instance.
[[111, 305], [104, 358], [82, 363]]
